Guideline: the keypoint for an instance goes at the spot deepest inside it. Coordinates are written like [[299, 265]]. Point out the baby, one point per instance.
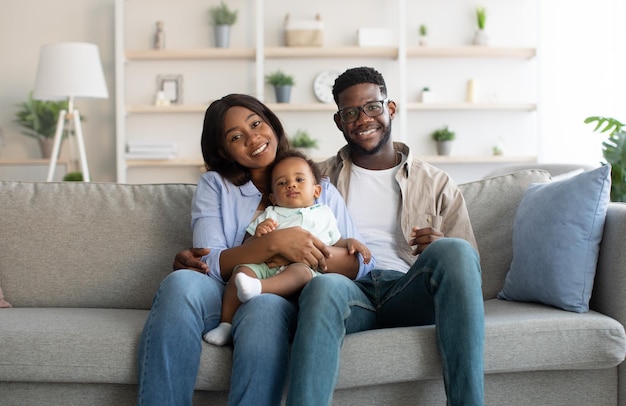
[[295, 184]]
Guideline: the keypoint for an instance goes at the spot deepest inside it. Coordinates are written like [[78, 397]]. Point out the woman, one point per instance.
[[241, 138]]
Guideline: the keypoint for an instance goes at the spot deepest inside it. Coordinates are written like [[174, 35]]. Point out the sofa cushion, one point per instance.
[[100, 346], [76, 244], [556, 241], [492, 204]]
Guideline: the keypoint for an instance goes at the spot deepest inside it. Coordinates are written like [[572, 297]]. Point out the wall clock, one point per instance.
[[323, 85]]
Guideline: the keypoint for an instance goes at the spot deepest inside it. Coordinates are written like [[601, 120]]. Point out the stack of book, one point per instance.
[[151, 150]]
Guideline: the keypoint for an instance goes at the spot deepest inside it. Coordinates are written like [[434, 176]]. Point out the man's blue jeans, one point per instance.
[[443, 287], [187, 305]]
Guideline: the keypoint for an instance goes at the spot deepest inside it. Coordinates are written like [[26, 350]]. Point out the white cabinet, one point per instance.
[[31, 170], [505, 109]]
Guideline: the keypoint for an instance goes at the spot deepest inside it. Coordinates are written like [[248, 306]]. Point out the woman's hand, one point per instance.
[[191, 259], [423, 237], [297, 245]]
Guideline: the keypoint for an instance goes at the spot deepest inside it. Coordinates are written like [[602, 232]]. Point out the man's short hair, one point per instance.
[[356, 76]]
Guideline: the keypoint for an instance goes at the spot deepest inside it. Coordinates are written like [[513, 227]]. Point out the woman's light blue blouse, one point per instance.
[[221, 211]]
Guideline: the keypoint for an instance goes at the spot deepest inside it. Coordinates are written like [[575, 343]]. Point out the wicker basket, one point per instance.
[[304, 33]]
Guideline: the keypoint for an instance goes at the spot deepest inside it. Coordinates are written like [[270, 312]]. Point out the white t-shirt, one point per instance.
[[374, 204]]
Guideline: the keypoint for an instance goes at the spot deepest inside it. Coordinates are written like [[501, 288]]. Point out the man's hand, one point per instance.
[[190, 259], [423, 237]]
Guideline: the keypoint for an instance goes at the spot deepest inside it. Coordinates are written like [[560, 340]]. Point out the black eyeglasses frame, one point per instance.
[[362, 109]]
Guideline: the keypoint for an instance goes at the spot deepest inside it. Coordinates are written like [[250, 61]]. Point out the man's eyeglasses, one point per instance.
[[371, 109]]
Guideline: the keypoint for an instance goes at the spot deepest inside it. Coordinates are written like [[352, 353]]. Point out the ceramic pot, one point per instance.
[[283, 93], [481, 38], [46, 145], [444, 147]]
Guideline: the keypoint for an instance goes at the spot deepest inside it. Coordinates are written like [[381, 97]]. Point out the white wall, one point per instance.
[[581, 59]]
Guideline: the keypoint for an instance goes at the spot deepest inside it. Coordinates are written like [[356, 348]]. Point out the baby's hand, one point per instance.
[[355, 245], [265, 227]]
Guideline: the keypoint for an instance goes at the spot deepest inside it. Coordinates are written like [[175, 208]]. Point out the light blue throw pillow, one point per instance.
[[556, 240]]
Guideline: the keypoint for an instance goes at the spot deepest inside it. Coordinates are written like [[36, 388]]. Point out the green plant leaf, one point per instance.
[[614, 153]]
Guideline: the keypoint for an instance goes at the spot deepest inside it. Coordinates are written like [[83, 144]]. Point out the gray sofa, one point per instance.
[[81, 262]]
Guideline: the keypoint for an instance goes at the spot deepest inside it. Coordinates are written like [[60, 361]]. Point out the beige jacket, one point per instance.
[[430, 198]]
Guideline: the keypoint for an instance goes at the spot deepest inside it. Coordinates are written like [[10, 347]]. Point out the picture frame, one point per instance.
[[172, 87]]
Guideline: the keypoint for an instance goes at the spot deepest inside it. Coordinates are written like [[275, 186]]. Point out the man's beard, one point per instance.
[[355, 147]]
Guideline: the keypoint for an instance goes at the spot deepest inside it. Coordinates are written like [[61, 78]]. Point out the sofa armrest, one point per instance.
[[609, 289], [609, 292]]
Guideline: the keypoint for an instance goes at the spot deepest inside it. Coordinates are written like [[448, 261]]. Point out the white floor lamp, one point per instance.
[[67, 71]]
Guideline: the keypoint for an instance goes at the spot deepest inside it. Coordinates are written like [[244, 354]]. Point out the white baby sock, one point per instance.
[[220, 335], [247, 287]]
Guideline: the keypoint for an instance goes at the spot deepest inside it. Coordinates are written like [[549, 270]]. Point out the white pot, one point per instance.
[[481, 38]]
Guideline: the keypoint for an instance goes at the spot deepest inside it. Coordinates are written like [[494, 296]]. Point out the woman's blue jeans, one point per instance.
[[187, 305], [443, 287]]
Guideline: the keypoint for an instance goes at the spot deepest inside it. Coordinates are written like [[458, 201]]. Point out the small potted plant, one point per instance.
[[76, 176], [443, 137], [302, 140], [222, 18], [282, 83], [480, 37], [423, 31], [426, 95], [39, 119]]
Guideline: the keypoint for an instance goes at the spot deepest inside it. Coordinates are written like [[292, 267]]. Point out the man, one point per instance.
[[424, 275], [428, 266]]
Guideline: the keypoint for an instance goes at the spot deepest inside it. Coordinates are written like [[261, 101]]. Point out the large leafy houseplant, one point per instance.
[[38, 117], [614, 152]]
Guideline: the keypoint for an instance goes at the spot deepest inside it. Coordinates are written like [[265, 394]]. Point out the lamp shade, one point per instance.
[[70, 69]]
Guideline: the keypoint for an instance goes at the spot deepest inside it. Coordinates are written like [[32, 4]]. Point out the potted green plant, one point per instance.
[[39, 119], [443, 137], [423, 31], [614, 152], [426, 95], [76, 176], [480, 37], [282, 83], [304, 142], [222, 18]]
